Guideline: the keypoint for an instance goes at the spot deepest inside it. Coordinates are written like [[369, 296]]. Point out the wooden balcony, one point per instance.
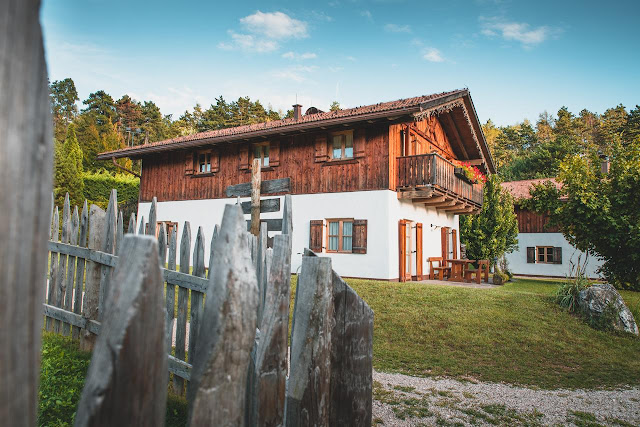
[[429, 179]]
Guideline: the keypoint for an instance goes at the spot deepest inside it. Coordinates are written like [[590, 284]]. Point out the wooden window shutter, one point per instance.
[[188, 163], [557, 255], [359, 143], [454, 243], [321, 149], [419, 250], [531, 255], [274, 153], [215, 160], [243, 157], [315, 235], [359, 236], [444, 241]]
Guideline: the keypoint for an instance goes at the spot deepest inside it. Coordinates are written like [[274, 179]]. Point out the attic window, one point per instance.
[[341, 145], [204, 162], [261, 151]]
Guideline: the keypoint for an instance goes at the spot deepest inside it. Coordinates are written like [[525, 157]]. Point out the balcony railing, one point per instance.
[[434, 170]]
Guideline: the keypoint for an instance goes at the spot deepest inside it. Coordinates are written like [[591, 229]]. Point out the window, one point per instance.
[[340, 235], [261, 151], [544, 254], [341, 145], [204, 162]]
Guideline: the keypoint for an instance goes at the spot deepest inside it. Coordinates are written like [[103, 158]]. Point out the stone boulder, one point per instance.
[[604, 300]]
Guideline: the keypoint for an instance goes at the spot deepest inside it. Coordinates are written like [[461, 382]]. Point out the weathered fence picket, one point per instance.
[[108, 246], [53, 267], [132, 224], [62, 261], [71, 266], [126, 381], [170, 294], [196, 296], [79, 289], [183, 301]]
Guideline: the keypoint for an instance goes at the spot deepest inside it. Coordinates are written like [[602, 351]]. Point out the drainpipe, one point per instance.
[[113, 159]]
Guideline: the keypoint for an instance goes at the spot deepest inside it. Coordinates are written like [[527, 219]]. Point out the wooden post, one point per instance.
[[287, 216], [119, 231], [170, 300], [91, 300], [255, 197], [141, 229], [211, 249], [153, 213], [79, 287], [25, 193], [219, 375], [126, 381], [162, 246], [53, 269], [71, 269], [196, 297], [132, 224], [61, 283], [308, 388], [268, 397], [108, 246], [183, 302]]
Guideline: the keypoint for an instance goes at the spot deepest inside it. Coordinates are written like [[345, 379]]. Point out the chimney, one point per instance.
[[297, 111]]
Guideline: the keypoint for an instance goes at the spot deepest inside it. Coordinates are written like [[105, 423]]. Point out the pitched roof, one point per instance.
[[391, 110], [520, 189]]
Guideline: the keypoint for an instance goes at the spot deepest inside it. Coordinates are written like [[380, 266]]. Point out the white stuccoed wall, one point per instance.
[[381, 208], [518, 259]]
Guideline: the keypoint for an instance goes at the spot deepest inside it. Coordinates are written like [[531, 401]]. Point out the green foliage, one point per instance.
[[598, 213], [335, 106], [567, 294], [63, 96], [97, 189], [68, 169], [62, 372], [494, 231]]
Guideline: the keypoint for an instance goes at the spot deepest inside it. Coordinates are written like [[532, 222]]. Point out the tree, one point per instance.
[[101, 106], [129, 116], [494, 231], [597, 212], [335, 106], [63, 96], [68, 169]]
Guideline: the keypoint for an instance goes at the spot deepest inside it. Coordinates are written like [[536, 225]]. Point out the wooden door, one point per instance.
[[405, 250], [419, 259], [444, 239]]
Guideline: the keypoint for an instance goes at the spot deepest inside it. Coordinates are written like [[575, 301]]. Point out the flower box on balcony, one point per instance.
[[462, 174]]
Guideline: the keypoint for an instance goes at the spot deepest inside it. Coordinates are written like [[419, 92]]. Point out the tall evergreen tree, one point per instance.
[[68, 169], [63, 96]]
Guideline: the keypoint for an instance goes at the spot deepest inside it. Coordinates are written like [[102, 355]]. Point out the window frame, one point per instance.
[[340, 235], [261, 145], [205, 153], [344, 134], [546, 255]]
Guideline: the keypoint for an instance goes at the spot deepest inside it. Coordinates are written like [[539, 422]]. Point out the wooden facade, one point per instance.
[[532, 222]]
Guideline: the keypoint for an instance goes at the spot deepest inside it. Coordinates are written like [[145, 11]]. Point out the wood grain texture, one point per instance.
[[61, 283], [71, 269], [53, 266], [255, 196], [266, 205], [119, 230], [271, 186], [132, 224], [162, 245], [268, 397], [153, 214], [196, 297], [170, 298], [26, 148], [183, 301], [108, 246], [219, 373], [80, 268], [91, 300], [126, 380], [214, 236], [141, 230], [273, 224], [308, 387]]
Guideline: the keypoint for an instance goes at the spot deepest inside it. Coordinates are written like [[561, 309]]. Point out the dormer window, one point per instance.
[[204, 162], [341, 145], [261, 151]]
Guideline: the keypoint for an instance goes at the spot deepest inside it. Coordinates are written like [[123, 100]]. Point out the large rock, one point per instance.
[[596, 300]]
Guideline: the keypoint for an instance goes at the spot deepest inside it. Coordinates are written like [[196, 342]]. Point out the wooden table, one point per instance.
[[457, 269]]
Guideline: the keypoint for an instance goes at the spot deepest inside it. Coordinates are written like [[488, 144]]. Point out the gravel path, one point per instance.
[[401, 400]]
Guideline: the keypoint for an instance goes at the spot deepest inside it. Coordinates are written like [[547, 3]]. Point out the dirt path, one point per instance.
[[401, 400]]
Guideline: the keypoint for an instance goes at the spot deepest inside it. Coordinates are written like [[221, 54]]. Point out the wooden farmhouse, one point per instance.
[[375, 187], [542, 249]]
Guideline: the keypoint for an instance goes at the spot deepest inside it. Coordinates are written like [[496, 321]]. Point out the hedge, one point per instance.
[[98, 185]]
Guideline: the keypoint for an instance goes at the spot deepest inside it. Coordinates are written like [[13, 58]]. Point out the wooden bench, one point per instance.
[[483, 269], [440, 271]]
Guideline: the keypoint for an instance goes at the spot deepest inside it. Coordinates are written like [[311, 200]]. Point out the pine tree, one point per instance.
[[68, 169]]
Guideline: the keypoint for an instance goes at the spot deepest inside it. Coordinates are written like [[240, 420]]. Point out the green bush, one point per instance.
[[98, 186], [567, 294]]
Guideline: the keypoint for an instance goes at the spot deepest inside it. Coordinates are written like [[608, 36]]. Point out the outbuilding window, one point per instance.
[[261, 151], [341, 145], [544, 255], [338, 235], [204, 162]]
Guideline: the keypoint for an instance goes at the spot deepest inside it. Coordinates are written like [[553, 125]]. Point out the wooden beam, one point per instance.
[[266, 205], [463, 211], [415, 194], [456, 134], [445, 204], [273, 224], [475, 162], [282, 185], [455, 207], [436, 200]]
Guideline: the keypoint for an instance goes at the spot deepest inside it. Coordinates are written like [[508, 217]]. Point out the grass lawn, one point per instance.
[[514, 334]]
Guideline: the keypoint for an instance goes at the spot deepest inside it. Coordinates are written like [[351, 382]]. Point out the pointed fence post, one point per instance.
[[170, 299], [91, 300], [79, 287], [153, 213], [141, 230], [132, 224], [267, 399], [53, 268], [126, 381], [25, 185], [308, 387], [183, 302], [219, 373], [61, 283], [108, 246], [71, 269], [211, 250], [255, 196], [119, 231], [197, 307]]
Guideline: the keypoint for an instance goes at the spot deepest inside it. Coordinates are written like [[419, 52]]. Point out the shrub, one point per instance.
[[98, 186], [567, 294], [499, 277]]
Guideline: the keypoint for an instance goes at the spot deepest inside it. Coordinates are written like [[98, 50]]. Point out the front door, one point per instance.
[[410, 249]]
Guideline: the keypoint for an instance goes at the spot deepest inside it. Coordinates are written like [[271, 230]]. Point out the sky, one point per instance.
[[518, 59]]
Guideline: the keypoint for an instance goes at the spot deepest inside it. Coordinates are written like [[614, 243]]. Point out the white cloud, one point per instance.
[[299, 56], [367, 14], [516, 31], [395, 28], [432, 54], [275, 25], [351, 58], [249, 43], [298, 74]]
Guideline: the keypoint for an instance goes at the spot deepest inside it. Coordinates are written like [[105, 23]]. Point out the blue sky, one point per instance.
[[517, 58]]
